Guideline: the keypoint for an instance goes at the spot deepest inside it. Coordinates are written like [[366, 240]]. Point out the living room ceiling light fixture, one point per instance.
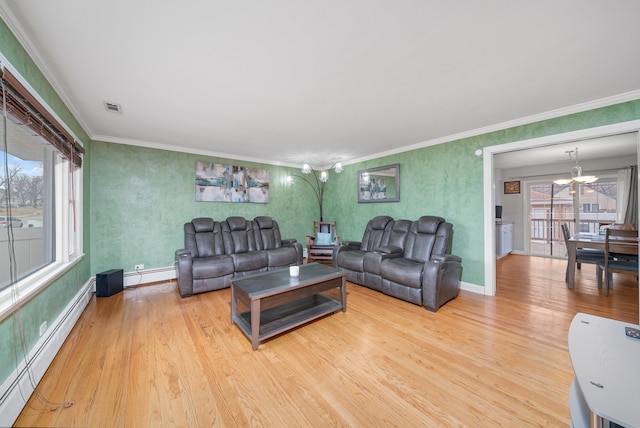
[[317, 185], [576, 172]]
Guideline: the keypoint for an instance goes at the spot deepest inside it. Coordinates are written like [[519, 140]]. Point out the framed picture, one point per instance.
[[231, 183], [381, 184], [511, 187]]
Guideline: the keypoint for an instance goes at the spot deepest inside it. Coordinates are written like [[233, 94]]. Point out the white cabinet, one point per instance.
[[504, 239]]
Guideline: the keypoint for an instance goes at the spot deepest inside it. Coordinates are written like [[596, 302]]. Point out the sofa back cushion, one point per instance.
[[376, 233], [398, 233], [427, 238], [203, 237], [267, 233], [238, 235]]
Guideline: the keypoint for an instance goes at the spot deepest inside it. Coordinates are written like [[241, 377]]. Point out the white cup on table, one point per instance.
[[294, 270]]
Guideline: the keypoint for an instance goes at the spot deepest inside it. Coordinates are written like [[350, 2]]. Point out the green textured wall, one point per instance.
[[447, 180], [47, 305], [141, 197]]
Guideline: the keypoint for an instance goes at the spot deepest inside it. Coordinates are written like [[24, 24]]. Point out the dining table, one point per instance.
[[596, 241]]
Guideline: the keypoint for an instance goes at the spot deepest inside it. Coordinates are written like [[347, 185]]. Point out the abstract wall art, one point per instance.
[[231, 183]]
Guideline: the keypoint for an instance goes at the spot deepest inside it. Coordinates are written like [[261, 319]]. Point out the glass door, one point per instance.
[[584, 208], [549, 205]]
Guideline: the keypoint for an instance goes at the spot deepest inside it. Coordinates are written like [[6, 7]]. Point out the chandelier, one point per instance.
[[317, 182], [576, 172]]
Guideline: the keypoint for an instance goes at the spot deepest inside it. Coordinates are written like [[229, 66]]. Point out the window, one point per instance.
[[26, 184], [40, 194], [598, 203]]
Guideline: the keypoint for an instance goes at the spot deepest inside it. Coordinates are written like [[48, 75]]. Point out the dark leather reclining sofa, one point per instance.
[[217, 251], [409, 260]]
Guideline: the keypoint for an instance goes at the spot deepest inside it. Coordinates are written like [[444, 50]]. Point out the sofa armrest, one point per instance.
[[389, 249], [184, 272], [346, 246], [372, 262], [440, 280], [446, 258], [293, 243]]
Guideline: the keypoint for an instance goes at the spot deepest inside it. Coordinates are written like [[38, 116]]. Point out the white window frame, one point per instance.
[[68, 250]]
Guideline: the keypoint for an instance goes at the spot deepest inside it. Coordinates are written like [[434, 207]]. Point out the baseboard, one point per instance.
[[146, 276], [474, 288], [19, 386]]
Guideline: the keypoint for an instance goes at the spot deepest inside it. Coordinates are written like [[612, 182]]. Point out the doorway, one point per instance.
[[489, 178]]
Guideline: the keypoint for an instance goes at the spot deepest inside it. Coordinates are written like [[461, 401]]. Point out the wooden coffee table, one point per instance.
[[278, 302]]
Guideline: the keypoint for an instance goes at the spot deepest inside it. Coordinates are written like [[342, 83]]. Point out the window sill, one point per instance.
[[13, 297]]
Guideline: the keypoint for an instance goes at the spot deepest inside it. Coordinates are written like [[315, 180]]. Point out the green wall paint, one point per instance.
[[49, 303], [447, 180], [141, 197], [439, 180]]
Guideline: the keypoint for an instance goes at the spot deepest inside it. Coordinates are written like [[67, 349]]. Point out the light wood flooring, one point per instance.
[[147, 358]]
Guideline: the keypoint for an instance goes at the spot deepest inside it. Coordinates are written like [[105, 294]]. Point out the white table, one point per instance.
[[606, 363]]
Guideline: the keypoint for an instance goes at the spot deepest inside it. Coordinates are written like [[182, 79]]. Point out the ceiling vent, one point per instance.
[[112, 107]]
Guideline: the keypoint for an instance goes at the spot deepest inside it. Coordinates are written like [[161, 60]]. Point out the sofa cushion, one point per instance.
[[237, 223], [267, 233], [283, 256], [402, 271], [203, 237], [264, 222], [238, 235], [429, 224], [210, 267], [253, 260], [375, 233], [399, 232], [352, 260], [202, 224], [323, 239]]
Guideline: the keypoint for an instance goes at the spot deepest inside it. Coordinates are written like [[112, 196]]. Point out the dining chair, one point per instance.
[[621, 226], [620, 255], [583, 255]]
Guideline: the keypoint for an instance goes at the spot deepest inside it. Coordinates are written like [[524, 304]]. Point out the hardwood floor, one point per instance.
[[146, 357]]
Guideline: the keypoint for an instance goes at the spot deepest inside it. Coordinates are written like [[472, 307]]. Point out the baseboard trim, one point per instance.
[[133, 279], [474, 288], [18, 386]]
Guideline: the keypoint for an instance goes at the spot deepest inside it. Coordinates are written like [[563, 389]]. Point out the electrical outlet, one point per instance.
[[138, 267], [43, 328]]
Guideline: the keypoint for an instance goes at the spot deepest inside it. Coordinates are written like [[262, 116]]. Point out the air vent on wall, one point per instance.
[[112, 107]]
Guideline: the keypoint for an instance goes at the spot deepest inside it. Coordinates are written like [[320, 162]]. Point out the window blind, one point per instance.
[[25, 108]]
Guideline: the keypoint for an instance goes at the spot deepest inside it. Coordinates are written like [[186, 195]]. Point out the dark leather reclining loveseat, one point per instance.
[[410, 260], [215, 252]]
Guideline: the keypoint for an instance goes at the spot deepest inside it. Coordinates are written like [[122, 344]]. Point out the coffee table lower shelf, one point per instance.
[[288, 316]]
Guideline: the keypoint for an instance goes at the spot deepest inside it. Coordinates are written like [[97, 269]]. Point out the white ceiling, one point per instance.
[[286, 81]]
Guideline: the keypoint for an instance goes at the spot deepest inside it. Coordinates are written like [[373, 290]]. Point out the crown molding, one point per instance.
[[20, 34], [552, 114], [181, 149]]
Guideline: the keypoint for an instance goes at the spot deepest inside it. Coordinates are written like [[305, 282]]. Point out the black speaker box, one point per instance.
[[109, 282]]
